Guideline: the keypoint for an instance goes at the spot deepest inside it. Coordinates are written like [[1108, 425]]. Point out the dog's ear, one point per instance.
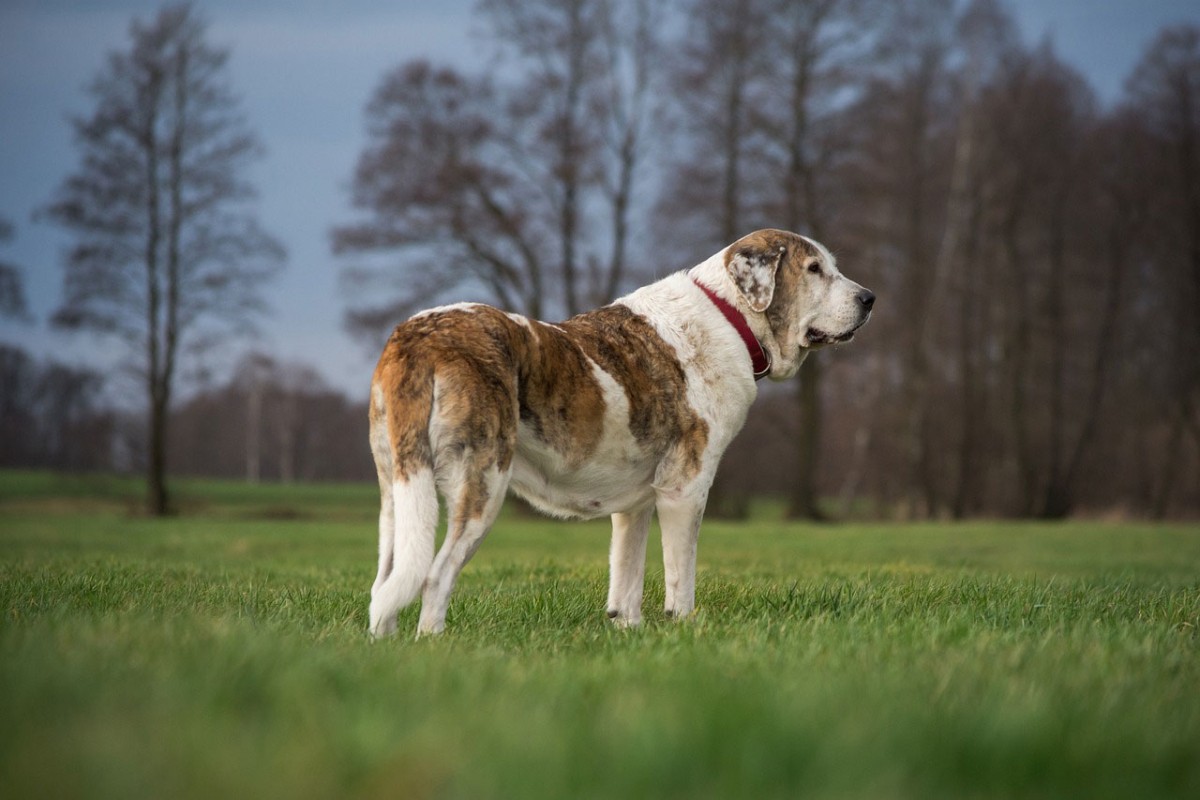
[[753, 271]]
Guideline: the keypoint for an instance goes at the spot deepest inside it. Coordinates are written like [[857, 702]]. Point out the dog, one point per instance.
[[621, 412]]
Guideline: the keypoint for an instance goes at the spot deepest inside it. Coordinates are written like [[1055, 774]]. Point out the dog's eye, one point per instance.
[[815, 267]]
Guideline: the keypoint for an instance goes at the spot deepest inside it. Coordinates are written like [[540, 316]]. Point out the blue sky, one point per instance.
[[305, 70]]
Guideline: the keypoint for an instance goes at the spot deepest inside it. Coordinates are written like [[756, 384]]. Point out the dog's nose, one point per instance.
[[866, 298]]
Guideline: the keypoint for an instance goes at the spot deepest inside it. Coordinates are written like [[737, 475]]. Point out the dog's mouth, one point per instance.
[[818, 338]]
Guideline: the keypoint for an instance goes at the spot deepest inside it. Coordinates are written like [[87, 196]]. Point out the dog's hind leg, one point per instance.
[[381, 449], [627, 566], [477, 500], [408, 507], [387, 534], [415, 518]]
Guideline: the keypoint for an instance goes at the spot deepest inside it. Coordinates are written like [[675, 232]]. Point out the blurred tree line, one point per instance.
[[270, 422], [1036, 252]]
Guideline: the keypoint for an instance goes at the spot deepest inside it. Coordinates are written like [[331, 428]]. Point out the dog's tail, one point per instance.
[[408, 515]]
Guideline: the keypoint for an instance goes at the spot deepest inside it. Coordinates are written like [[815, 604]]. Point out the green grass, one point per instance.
[[224, 653]]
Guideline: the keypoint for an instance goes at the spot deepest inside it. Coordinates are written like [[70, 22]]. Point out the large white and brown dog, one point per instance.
[[621, 411]]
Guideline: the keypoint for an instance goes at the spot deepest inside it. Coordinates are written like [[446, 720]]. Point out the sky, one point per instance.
[[305, 71]]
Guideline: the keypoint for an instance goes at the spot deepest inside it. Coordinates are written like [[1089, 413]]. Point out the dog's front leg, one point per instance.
[[679, 515], [627, 566]]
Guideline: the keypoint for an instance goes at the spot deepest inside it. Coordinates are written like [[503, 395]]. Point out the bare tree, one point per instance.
[[507, 189], [716, 183], [561, 43], [1069, 188], [12, 289], [711, 194], [252, 376], [813, 58], [906, 120], [979, 184], [52, 415], [632, 48], [1165, 89], [438, 190], [1120, 208], [987, 37], [1015, 163], [1043, 307], [167, 257]]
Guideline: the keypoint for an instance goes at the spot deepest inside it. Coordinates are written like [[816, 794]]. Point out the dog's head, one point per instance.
[[794, 283]]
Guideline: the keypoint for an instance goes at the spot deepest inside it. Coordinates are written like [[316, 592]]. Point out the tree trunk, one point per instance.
[[1169, 469], [721, 501], [969, 392], [287, 438], [731, 179], [801, 198], [157, 497], [1106, 336], [254, 430], [1056, 498], [156, 488], [620, 213], [1017, 345], [1057, 501], [804, 502], [912, 206], [569, 154]]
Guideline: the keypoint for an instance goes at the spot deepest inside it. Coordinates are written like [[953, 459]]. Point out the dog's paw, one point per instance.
[[430, 628], [622, 620], [382, 629]]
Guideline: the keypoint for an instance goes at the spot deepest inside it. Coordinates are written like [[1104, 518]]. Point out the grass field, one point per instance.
[[224, 653]]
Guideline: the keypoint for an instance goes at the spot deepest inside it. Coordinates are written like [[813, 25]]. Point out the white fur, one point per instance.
[[679, 517], [521, 320], [461, 543], [406, 551], [444, 309], [627, 566]]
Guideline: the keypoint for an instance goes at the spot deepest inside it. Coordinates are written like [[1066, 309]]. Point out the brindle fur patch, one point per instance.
[[467, 357], [489, 371], [627, 347], [559, 397], [405, 383]]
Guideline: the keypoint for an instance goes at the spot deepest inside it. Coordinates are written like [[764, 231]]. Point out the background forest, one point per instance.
[[1035, 350]]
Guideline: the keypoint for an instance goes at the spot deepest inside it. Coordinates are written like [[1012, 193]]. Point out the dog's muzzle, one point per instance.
[[866, 301]]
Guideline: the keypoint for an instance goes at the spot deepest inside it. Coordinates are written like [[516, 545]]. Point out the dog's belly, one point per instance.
[[615, 479]]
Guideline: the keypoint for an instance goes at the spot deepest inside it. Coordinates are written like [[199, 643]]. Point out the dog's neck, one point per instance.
[[759, 360]]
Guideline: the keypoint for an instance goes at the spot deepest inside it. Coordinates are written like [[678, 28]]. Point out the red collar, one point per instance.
[[758, 357]]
